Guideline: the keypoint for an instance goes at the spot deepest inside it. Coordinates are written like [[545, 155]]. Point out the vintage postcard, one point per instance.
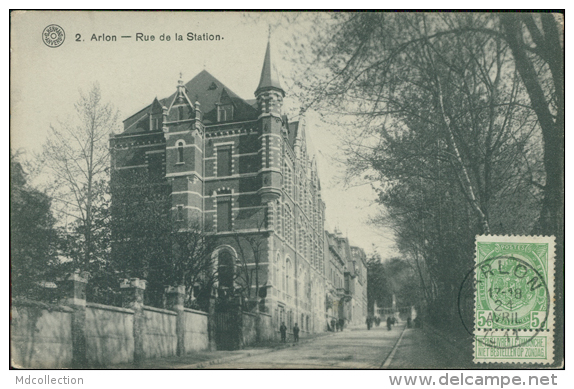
[[286, 190]]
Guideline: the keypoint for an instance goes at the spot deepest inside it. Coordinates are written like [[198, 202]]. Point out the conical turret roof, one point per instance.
[[269, 76]]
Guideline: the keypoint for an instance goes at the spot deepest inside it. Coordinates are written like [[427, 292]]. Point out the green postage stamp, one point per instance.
[[514, 299]]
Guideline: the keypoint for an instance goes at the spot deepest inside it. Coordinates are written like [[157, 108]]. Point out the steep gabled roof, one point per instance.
[[156, 107], [292, 135], [206, 89]]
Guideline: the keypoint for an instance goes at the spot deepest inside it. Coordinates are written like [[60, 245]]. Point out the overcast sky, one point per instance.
[[45, 83]]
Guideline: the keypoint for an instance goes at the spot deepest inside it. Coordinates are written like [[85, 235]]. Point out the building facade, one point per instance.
[[242, 170], [346, 280], [336, 297], [357, 281]]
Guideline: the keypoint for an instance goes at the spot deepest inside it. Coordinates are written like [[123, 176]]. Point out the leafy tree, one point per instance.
[[537, 45], [33, 237], [396, 277], [378, 286], [444, 124]]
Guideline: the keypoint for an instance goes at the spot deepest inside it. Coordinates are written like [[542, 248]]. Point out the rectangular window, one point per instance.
[[224, 113], [179, 215], [220, 114], [224, 162], [224, 215]]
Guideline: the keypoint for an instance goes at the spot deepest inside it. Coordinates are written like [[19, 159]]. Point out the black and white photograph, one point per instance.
[[288, 190]]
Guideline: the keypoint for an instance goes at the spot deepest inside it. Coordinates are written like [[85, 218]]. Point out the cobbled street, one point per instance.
[[360, 349]]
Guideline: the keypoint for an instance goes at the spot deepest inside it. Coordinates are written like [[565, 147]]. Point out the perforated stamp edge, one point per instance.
[[547, 334]]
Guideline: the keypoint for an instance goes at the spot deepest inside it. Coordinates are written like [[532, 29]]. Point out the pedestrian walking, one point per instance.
[[389, 323], [369, 322], [409, 322], [296, 333], [341, 324], [283, 330], [333, 325]]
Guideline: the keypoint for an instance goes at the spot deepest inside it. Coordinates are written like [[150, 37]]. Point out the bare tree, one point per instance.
[[191, 263], [246, 277], [76, 157], [251, 247]]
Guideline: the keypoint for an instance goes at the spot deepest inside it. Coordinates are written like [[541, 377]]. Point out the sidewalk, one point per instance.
[[202, 359]]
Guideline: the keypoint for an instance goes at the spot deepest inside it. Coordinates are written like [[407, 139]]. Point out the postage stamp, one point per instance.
[[514, 299]]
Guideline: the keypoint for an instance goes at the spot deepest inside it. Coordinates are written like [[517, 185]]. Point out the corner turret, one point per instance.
[[271, 124]]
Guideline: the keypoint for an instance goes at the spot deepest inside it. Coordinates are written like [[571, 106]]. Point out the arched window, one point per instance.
[[225, 269], [180, 145], [283, 284]]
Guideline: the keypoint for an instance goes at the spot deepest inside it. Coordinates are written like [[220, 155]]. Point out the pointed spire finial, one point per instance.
[[269, 77]]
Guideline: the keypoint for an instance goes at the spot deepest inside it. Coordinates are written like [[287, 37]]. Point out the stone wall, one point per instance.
[[82, 335], [195, 330], [249, 328], [41, 335], [159, 333], [109, 334], [265, 328]]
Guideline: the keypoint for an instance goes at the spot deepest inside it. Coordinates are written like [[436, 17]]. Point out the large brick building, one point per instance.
[[242, 169]]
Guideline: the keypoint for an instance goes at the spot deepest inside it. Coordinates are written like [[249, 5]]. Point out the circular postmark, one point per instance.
[[53, 35], [508, 294]]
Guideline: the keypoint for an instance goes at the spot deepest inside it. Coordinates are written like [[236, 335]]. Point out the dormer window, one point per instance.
[[224, 112]]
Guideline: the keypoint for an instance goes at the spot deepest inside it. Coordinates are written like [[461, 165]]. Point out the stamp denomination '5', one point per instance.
[[514, 313]]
